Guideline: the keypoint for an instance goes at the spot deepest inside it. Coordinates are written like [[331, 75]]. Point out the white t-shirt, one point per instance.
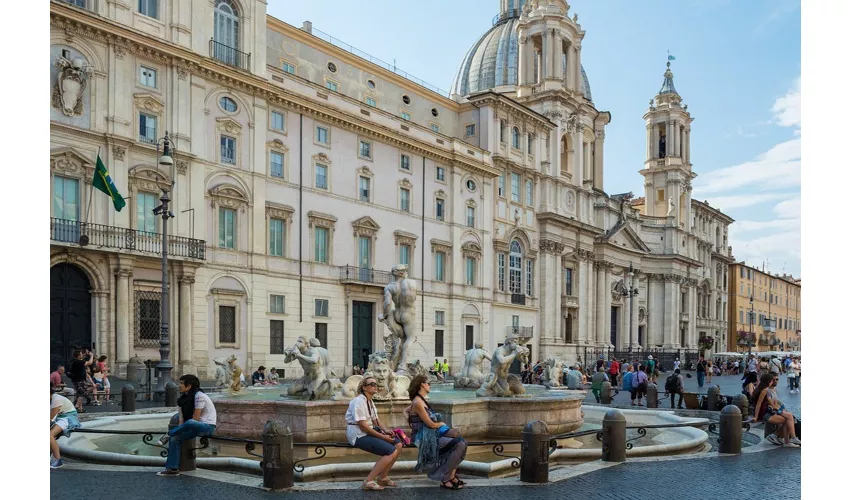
[[357, 411], [205, 404], [64, 404], [676, 364], [774, 365], [752, 365]]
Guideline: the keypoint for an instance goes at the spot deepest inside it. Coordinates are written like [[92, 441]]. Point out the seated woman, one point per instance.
[[441, 449], [274, 377], [365, 431], [748, 388], [771, 410]]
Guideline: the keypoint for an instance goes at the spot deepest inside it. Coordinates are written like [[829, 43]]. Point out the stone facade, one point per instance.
[[302, 173]]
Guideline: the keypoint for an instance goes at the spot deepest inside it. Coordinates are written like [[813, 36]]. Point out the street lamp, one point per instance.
[[750, 339], [630, 292], [164, 367]]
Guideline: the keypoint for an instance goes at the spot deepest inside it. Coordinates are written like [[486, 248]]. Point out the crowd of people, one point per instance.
[[89, 376]]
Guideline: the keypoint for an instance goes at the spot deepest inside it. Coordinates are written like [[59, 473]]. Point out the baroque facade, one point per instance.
[[302, 172]]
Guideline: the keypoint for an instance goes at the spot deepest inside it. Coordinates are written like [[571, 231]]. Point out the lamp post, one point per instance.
[[630, 293], [750, 339], [164, 367]]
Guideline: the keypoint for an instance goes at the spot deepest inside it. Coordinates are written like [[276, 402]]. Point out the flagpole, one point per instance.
[[91, 190]]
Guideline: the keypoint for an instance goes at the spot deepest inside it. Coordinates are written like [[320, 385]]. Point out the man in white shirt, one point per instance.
[[676, 364], [752, 364], [63, 420], [202, 421]]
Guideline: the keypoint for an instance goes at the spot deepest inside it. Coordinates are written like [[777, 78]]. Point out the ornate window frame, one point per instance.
[[316, 126], [402, 153], [285, 130], [371, 144], [470, 203], [441, 195], [284, 213], [277, 146], [404, 238], [472, 250], [365, 227], [67, 162], [405, 184], [326, 221], [366, 172], [444, 247], [227, 126], [228, 298], [151, 105], [324, 160], [229, 196], [144, 179]]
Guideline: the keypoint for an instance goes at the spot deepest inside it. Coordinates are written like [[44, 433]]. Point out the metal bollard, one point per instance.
[[712, 398], [730, 430], [170, 394], [614, 437], [534, 467], [743, 404], [128, 398], [652, 396], [605, 393], [277, 456], [187, 452]]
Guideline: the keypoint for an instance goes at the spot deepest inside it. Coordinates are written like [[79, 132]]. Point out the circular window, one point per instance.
[[405, 99], [470, 185], [227, 104], [435, 112], [332, 67], [370, 84]]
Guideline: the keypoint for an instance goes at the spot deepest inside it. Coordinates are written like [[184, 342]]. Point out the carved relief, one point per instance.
[[440, 246], [406, 184], [279, 211], [71, 164], [319, 219], [404, 238], [440, 194], [182, 71], [182, 167], [364, 170], [229, 125], [118, 152], [571, 201], [365, 226], [551, 247], [227, 196], [70, 85], [149, 103], [471, 249]]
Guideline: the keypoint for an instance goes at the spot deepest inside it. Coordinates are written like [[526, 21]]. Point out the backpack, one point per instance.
[[673, 384]]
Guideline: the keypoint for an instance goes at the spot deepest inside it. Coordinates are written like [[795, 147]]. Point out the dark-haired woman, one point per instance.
[[197, 418], [441, 449], [365, 431], [771, 410], [748, 388]]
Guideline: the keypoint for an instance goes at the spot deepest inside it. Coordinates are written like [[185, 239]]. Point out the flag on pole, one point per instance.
[[671, 58], [103, 182]]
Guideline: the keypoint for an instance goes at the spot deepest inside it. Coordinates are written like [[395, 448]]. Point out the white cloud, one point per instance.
[[786, 109], [731, 202], [776, 168], [788, 209], [776, 250]]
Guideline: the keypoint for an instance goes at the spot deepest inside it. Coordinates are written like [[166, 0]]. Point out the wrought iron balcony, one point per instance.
[[101, 236], [351, 274], [518, 298], [83, 4], [230, 55], [525, 332]]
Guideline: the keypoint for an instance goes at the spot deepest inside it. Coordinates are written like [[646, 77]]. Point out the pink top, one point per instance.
[[55, 379]]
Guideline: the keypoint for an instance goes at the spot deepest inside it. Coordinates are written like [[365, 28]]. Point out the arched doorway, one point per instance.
[[70, 312]]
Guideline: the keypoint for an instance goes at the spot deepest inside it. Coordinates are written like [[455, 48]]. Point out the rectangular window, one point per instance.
[[515, 188], [470, 271], [288, 68], [405, 200], [321, 176], [364, 189], [226, 228], [277, 304], [440, 318], [276, 344], [438, 343], [502, 185], [405, 116], [470, 216], [530, 144], [322, 135], [500, 270], [470, 337], [366, 149], [147, 128], [148, 8], [529, 278], [148, 324], [277, 235], [227, 324], [502, 130], [441, 209], [441, 174], [660, 195], [276, 167], [404, 255], [568, 281], [370, 101], [435, 128], [470, 130], [147, 76], [529, 192], [331, 85], [145, 219], [321, 253], [405, 162], [228, 150], [278, 121], [321, 308], [321, 332], [65, 198], [440, 266]]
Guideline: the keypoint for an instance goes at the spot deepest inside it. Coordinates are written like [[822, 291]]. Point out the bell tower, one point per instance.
[[667, 170]]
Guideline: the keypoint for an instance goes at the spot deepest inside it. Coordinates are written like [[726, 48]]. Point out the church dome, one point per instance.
[[493, 61]]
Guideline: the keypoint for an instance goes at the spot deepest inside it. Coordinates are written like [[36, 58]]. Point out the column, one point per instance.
[[547, 300], [545, 49], [523, 60], [583, 298], [691, 333], [653, 150], [671, 312], [550, 56], [185, 322], [625, 337], [634, 322], [687, 158], [648, 144], [577, 66], [589, 279], [578, 155], [671, 137], [122, 314], [606, 294], [600, 303], [559, 57]]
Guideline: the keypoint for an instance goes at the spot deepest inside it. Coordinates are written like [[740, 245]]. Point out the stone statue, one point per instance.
[[499, 383], [390, 385], [472, 374], [70, 84], [235, 374], [399, 314], [553, 372], [224, 370], [319, 381], [671, 207]]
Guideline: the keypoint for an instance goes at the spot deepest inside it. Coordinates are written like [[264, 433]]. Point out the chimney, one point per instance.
[[307, 26]]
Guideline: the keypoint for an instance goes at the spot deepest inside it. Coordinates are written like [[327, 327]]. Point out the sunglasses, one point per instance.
[[371, 384], [426, 382]]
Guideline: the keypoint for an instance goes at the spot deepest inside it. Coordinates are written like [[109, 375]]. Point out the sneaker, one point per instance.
[[790, 445], [163, 441], [56, 463], [168, 472], [774, 439], [796, 441]]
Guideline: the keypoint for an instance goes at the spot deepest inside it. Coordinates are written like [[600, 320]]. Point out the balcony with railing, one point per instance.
[[83, 4], [518, 298], [147, 135], [103, 237], [228, 155], [230, 55], [352, 274], [525, 332]]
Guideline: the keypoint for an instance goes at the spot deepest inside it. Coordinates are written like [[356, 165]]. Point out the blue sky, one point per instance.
[[737, 67]]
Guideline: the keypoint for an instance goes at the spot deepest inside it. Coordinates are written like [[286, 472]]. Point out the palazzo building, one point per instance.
[[304, 169]]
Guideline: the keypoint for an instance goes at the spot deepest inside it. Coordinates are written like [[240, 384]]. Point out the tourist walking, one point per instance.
[[650, 368], [364, 430], [709, 371], [794, 376], [596, 383], [614, 371], [701, 365], [675, 385], [639, 384], [775, 366], [441, 449], [197, 417], [676, 364], [769, 409], [63, 420]]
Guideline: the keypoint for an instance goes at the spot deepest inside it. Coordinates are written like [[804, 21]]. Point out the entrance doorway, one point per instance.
[[70, 313], [641, 329], [470, 337], [361, 339], [615, 323]]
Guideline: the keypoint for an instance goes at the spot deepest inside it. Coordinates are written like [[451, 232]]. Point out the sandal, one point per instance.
[[457, 480], [454, 486], [385, 481], [372, 485]]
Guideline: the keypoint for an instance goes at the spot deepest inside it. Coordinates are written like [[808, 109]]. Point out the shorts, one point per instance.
[[81, 388], [375, 446], [68, 423]]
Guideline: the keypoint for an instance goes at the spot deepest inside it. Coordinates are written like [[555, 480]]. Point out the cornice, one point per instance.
[[574, 223]]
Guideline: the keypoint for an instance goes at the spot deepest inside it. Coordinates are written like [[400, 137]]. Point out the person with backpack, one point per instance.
[[650, 369], [596, 383], [675, 385], [627, 378]]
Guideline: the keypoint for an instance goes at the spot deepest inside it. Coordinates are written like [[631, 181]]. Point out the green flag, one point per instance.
[[104, 183], [671, 58]]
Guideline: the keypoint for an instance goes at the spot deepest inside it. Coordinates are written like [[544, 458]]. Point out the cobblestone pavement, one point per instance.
[[776, 470]]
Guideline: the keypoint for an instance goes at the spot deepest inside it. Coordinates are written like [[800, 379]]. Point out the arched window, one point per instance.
[[226, 32], [515, 268], [515, 138]]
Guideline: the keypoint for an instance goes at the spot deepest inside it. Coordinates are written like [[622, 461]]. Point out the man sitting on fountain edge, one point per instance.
[[197, 417]]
